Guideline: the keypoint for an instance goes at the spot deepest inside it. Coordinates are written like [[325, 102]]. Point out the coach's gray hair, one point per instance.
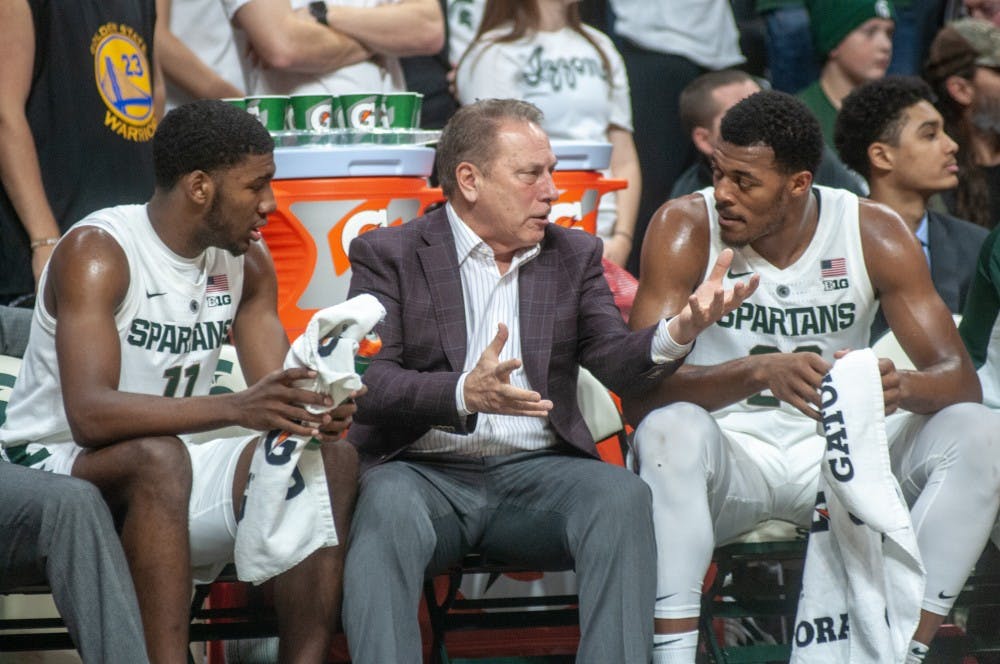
[[471, 133]]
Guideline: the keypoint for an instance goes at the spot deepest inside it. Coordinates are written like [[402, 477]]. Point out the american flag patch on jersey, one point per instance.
[[217, 283], [833, 267]]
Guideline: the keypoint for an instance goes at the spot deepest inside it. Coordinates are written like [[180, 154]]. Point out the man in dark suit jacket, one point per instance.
[[890, 132], [470, 431]]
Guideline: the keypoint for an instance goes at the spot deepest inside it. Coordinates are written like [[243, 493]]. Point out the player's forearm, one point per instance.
[[110, 416], [936, 387], [21, 176], [398, 29], [711, 387]]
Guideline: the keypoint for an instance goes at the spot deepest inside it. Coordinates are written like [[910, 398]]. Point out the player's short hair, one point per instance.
[[875, 112], [782, 123], [697, 104], [471, 136], [205, 135]]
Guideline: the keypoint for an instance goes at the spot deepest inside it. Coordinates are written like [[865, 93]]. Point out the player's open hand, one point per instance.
[[275, 403], [711, 301], [794, 378], [488, 388]]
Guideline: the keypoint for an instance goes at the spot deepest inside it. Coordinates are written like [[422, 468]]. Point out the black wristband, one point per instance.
[[318, 10]]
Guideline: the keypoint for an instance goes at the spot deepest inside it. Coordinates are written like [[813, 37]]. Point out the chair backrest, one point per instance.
[[598, 408], [9, 369], [888, 346]]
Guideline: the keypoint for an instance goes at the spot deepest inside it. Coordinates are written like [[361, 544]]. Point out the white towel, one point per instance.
[[286, 512], [863, 580]]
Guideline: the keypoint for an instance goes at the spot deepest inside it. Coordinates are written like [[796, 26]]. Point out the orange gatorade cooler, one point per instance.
[[326, 196], [581, 182]]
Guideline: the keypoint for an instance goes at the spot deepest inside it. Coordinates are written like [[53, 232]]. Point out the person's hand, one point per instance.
[[891, 395], [617, 248], [488, 388], [39, 257], [340, 419], [710, 301], [275, 403], [794, 378]]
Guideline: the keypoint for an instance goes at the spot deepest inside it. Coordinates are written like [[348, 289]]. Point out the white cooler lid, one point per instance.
[[346, 161], [581, 155]]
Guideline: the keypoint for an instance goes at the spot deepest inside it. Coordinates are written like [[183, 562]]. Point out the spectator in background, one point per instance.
[[791, 58], [890, 132], [198, 52], [464, 18], [962, 70], [987, 10], [79, 97], [538, 51], [336, 47], [855, 39], [703, 103], [666, 44]]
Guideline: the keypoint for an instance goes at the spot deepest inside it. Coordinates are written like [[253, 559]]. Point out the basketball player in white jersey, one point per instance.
[[737, 443], [131, 313]]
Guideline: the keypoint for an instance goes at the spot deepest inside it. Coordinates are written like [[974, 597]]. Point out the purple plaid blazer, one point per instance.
[[568, 318]]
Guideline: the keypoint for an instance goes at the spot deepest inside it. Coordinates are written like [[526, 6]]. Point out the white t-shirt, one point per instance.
[[464, 17], [364, 76], [703, 31], [203, 27], [562, 74]]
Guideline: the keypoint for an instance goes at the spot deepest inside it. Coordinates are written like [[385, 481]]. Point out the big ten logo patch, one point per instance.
[[332, 225], [124, 81], [575, 208]]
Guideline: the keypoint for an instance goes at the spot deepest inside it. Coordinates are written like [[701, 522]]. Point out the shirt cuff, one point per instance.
[[664, 349], [460, 396]]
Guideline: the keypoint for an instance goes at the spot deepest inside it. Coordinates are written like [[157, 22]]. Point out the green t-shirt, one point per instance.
[[821, 106]]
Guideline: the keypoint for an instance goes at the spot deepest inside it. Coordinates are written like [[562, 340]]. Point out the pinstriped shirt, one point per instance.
[[490, 298]]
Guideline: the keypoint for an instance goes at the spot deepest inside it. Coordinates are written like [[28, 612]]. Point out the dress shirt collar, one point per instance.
[[467, 242]]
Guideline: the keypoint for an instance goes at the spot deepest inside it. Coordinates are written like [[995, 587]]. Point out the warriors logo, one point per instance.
[[124, 80]]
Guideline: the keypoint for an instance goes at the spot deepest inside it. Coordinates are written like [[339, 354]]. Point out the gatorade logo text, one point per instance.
[[124, 80], [838, 451], [823, 629]]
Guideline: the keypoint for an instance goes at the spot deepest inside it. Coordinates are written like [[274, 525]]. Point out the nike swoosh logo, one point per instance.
[[665, 596], [941, 595], [657, 644], [152, 295], [736, 275]]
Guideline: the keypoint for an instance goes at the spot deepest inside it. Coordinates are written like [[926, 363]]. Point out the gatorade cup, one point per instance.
[[238, 102], [367, 349], [401, 110], [270, 110], [337, 120], [361, 110], [311, 112]]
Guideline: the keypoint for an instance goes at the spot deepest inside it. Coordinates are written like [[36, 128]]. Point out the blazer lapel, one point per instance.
[[440, 266], [538, 285]]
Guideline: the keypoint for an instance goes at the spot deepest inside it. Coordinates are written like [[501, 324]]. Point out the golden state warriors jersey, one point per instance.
[[822, 303], [176, 314]]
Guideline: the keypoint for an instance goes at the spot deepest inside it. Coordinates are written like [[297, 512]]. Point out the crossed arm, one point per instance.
[[407, 27]]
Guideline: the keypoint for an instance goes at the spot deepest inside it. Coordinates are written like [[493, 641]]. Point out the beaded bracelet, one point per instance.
[[44, 242]]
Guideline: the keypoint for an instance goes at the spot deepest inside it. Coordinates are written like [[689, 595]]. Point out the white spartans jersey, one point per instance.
[[176, 314], [822, 303]]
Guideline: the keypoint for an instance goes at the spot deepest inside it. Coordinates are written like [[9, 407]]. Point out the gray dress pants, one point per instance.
[[418, 515], [56, 528]]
